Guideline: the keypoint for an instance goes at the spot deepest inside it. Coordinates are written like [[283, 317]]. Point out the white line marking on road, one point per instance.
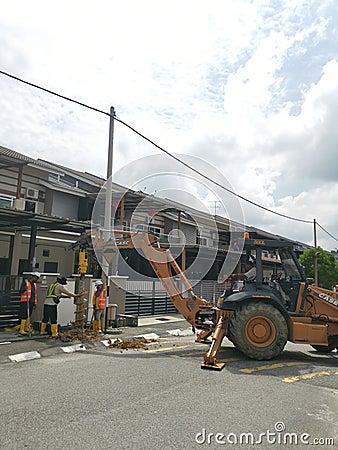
[[147, 336], [73, 348], [24, 356], [179, 332]]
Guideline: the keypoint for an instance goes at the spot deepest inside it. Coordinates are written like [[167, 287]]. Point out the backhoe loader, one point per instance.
[[259, 318]]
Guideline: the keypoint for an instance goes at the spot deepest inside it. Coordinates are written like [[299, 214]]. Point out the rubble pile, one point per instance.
[[130, 343], [79, 334]]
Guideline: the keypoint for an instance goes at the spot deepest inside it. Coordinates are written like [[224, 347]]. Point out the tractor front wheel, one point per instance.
[[259, 331]]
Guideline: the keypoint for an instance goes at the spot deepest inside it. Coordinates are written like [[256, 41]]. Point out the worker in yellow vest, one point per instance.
[[54, 293], [28, 301], [99, 304]]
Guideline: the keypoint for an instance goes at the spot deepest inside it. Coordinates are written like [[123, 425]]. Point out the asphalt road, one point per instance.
[[159, 398]]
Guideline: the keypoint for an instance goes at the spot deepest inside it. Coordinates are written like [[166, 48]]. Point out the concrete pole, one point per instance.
[[109, 183], [108, 204]]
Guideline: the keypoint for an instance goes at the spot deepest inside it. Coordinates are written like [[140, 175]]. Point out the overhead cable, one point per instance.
[[210, 179], [158, 147], [54, 93], [327, 232]]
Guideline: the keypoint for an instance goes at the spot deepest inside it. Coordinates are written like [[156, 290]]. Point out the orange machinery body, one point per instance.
[[314, 320], [318, 319]]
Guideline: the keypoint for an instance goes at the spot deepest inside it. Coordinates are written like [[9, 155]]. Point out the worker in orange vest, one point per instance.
[[99, 304], [28, 301]]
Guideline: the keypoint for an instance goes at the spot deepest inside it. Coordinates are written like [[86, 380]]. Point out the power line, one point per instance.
[[327, 232], [210, 179], [54, 93], [158, 147]]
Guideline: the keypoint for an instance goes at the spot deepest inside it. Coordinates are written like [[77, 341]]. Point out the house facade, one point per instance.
[[44, 207]]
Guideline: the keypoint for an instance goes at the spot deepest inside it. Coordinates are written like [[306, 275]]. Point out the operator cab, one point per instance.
[[288, 278], [277, 272]]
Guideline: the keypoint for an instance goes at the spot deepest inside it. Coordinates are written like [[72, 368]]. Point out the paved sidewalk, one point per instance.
[[35, 346]]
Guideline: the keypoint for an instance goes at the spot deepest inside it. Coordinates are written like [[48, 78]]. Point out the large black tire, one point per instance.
[[259, 331]]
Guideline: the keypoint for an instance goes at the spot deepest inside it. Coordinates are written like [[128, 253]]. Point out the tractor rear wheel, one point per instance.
[[259, 331]]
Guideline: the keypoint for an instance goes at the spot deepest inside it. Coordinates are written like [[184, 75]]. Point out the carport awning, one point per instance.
[[72, 190], [12, 219]]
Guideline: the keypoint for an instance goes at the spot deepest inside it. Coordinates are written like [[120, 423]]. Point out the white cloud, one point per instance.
[[249, 87]]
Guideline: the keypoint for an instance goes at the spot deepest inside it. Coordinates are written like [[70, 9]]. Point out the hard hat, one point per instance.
[[61, 280], [98, 283], [36, 274]]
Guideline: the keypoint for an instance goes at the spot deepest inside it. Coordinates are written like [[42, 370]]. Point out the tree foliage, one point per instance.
[[327, 267]]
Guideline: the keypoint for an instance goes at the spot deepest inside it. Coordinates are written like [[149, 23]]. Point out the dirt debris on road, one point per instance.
[[78, 334], [126, 344]]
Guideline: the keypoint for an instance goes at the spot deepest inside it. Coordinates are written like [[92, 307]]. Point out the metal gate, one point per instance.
[[147, 298], [9, 300]]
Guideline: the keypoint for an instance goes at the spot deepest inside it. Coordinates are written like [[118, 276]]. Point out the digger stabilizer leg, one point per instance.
[[210, 361]]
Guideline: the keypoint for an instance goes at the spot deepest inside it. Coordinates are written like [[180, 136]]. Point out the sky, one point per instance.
[[249, 87]]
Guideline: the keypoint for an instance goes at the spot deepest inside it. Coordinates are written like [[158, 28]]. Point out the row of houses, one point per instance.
[[44, 207]]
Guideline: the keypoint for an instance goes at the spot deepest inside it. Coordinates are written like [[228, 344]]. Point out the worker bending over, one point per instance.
[[99, 303], [54, 293]]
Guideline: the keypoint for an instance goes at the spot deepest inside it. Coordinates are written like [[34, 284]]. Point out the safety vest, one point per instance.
[[25, 296], [100, 301], [51, 293]]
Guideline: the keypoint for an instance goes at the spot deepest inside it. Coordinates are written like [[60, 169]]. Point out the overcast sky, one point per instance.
[[249, 86]]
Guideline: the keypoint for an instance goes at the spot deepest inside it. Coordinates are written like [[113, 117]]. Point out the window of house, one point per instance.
[[155, 230], [30, 206], [6, 201], [148, 229], [50, 267], [201, 241]]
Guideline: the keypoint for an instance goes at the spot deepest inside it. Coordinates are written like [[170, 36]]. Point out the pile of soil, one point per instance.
[[130, 343]]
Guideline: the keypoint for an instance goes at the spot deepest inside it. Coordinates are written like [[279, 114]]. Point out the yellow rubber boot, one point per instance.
[[23, 325], [28, 327], [54, 328], [94, 325], [43, 328], [99, 330]]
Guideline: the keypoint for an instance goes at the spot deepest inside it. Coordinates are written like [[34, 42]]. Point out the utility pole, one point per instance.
[[316, 254], [108, 204], [109, 183], [216, 205]]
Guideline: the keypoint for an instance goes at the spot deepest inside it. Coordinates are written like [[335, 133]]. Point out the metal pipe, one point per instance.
[[316, 254]]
